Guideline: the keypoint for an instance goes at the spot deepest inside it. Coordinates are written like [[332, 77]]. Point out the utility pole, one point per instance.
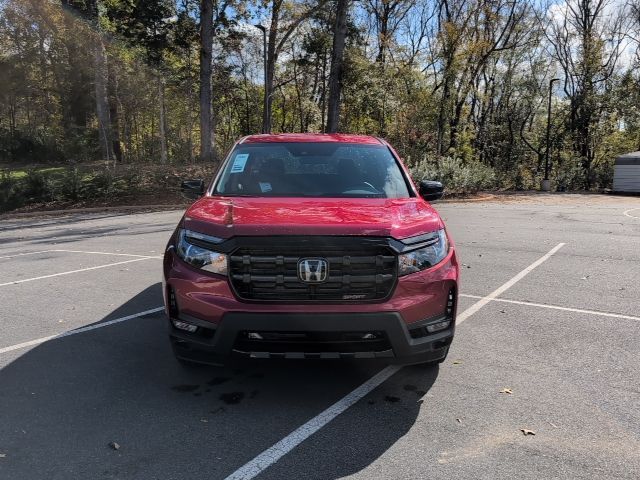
[[546, 183], [265, 104]]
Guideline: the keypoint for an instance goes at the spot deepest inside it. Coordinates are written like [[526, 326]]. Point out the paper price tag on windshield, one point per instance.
[[239, 163]]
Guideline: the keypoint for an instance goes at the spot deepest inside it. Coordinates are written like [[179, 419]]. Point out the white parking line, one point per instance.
[[557, 307], [24, 280], [503, 288], [627, 213], [284, 446], [40, 340], [274, 453], [108, 253], [80, 251]]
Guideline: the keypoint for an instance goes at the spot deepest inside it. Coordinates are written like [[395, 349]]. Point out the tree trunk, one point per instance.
[[101, 80], [299, 97], [114, 112], [102, 100], [206, 58], [454, 126], [283, 123], [383, 34], [191, 101], [272, 58], [323, 98], [12, 125], [247, 104], [162, 127], [443, 111], [335, 74]]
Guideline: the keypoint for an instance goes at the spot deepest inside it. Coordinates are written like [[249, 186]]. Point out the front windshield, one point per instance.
[[312, 170]]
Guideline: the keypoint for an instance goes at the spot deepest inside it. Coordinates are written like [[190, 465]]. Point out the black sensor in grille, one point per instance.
[[359, 269]]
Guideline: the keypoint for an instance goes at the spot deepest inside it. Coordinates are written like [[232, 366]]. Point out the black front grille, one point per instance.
[[359, 269]]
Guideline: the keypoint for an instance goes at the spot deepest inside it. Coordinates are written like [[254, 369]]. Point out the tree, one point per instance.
[[285, 19], [386, 16], [459, 87], [337, 61], [89, 10], [473, 33], [586, 41], [149, 23], [206, 59]]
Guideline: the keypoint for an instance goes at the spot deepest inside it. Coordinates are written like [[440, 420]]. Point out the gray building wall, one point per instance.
[[626, 174]]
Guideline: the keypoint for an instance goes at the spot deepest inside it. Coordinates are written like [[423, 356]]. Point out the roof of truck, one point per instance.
[[312, 137]]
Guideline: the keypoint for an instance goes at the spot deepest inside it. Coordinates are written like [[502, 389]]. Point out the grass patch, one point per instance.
[[49, 171]]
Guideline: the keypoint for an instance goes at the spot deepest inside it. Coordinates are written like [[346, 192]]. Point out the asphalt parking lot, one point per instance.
[[548, 341]]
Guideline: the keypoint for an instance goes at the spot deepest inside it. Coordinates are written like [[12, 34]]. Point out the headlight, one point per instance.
[[197, 255], [424, 257]]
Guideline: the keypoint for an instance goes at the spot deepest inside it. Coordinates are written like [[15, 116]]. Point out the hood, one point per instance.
[[226, 217]]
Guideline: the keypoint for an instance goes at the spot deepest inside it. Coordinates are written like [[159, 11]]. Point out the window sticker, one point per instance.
[[239, 163], [265, 187]]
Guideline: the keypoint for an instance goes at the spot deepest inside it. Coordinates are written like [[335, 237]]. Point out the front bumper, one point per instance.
[[207, 301], [312, 336]]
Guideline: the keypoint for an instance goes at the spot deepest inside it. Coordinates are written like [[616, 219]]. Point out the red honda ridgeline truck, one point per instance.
[[311, 246]]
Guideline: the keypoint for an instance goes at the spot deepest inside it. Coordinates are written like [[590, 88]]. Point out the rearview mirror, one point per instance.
[[192, 189], [430, 190]]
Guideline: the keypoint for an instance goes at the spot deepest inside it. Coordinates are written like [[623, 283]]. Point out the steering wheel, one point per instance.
[[358, 187]]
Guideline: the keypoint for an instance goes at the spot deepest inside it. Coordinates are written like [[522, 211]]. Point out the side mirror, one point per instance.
[[430, 190], [192, 189]]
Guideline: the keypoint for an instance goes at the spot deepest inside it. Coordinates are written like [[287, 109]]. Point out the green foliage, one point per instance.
[[74, 185], [10, 196], [145, 23], [71, 184], [456, 175], [36, 187]]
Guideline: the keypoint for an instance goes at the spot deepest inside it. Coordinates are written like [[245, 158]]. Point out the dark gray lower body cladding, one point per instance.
[[382, 335]]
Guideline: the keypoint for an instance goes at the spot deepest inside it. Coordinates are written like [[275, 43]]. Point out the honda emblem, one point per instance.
[[313, 270]]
